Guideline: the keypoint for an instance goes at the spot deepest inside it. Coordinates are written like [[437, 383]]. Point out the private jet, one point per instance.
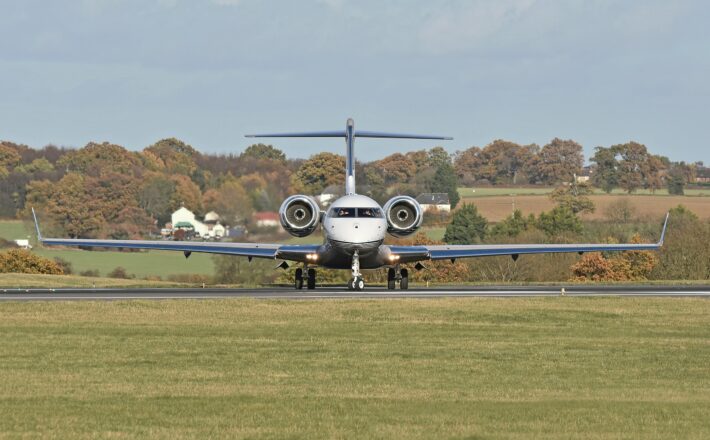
[[354, 228]]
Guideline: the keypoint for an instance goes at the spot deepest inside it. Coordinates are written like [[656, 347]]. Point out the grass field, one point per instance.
[[552, 368]]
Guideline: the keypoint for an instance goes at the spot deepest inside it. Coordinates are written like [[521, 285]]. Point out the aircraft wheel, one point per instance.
[[359, 283], [311, 279], [351, 284], [391, 279], [404, 282], [298, 282]]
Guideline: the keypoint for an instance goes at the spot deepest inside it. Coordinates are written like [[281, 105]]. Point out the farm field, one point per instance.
[[552, 368], [527, 191], [496, 208]]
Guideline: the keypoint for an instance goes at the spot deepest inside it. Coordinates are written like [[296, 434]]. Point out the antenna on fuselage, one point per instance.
[[350, 134]]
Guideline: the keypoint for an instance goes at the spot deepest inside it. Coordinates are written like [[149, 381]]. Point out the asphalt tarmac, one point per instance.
[[75, 294]]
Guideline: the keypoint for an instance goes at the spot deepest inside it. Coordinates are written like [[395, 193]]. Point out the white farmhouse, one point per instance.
[[438, 201]]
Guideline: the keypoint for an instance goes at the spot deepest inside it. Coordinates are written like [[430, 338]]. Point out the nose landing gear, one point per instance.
[[356, 282]]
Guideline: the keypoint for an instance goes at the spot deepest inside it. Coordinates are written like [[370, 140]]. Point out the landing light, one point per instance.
[[394, 257], [312, 257]]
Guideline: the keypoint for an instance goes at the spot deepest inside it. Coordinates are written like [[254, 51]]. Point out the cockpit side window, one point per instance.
[[369, 212], [342, 212], [355, 212]]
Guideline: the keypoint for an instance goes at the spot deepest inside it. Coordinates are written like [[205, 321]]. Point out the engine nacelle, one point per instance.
[[404, 215], [299, 215]]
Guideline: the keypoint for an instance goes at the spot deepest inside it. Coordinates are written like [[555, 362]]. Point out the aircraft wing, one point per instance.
[[451, 252], [251, 250]]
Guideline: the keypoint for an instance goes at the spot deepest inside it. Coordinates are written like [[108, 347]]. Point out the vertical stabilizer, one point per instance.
[[349, 157]]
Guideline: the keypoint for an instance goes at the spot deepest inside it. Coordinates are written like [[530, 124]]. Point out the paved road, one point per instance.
[[328, 292]]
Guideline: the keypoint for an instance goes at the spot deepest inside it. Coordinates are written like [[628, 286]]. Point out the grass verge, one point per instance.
[[466, 368], [23, 281]]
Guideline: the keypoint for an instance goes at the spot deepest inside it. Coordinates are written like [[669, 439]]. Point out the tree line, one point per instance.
[[105, 190]]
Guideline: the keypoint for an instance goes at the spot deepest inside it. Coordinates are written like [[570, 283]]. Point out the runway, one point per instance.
[[91, 294]]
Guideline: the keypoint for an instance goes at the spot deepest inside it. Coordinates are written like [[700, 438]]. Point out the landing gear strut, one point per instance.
[[356, 282]]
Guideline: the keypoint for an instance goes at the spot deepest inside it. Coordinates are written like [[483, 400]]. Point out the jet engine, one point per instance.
[[404, 215], [299, 215]]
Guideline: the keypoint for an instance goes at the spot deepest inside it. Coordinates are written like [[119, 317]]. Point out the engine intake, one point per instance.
[[299, 215], [404, 216]]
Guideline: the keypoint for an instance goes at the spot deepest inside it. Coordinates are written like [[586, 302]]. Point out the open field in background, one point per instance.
[[496, 208], [552, 368], [523, 191]]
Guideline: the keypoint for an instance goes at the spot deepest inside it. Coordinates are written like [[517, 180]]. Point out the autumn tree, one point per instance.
[[321, 170], [174, 156], [633, 166], [230, 201], [262, 151], [560, 160], [396, 168], [467, 226]]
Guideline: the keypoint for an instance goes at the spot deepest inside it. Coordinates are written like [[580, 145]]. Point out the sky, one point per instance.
[[132, 72]]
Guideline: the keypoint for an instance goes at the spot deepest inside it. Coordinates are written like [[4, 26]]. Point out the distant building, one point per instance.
[[585, 175], [266, 219], [186, 220], [23, 243], [702, 175], [329, 194], [438, 201]]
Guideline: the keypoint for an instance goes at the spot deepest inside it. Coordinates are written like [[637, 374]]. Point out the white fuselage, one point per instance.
[[353, 223]]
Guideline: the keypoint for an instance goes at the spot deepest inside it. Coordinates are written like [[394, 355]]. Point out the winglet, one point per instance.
[[663, 232], [39, 234]]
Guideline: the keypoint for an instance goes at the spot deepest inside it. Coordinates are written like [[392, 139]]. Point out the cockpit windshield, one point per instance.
[[355, 212]]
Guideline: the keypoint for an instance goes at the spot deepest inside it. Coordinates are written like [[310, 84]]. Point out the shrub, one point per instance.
[[65, 265], [119, 272], [191, 278], [24, 261], [90, 273]]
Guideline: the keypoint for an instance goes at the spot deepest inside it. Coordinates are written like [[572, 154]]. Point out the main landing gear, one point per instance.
[[310, 279], [394, 274], [356, 282]]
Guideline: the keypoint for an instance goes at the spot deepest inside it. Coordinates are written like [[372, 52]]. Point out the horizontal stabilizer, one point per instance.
[[356, 134]]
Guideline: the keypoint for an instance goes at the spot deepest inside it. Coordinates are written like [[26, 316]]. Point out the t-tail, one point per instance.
[[350, 134]]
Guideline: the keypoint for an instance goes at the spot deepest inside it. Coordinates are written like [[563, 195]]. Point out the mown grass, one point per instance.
[[461, 368], [23, 281]]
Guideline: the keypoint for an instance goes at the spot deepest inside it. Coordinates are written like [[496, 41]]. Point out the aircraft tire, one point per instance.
[[311, 281], [404, 282], [298, 279], [391, 281]]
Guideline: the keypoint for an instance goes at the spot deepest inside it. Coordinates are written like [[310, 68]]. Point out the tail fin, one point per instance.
[[350, 134], [39, 234]]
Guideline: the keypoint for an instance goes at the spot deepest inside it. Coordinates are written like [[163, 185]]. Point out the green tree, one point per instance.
[[155, 195], [575, 197], [467, 226], [445, 181], [321, 170], [513, 225], [605, 173], [559, 220], [437, 157], [262, 151]]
